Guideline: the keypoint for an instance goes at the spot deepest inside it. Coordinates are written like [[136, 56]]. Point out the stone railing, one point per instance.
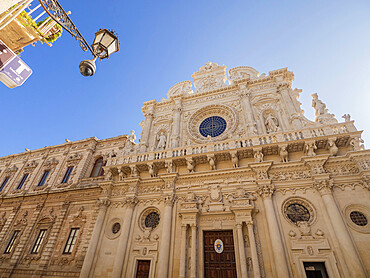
[[255, 141]]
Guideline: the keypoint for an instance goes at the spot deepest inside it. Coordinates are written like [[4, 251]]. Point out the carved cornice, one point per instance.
[[316, 164]]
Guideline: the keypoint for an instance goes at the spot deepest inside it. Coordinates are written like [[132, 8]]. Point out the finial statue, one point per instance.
[[347, 117], [321, 112], [130, 142]]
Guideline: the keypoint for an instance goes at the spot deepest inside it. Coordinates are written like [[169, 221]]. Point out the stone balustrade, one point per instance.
[[334, 130]]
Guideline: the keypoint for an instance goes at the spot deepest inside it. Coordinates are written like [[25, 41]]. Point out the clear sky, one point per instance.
[[325, 43]]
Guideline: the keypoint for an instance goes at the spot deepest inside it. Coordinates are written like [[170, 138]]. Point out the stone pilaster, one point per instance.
[[254, 253], [266, 191], [123, 238], [94, 240], [242, 256], [184, 228], [352, 259], [193, 255]]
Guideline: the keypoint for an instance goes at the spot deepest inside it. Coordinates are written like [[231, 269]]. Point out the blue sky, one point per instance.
[[325, 43]]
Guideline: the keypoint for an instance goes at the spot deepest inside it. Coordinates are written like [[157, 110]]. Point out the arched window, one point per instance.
[[97, 169]]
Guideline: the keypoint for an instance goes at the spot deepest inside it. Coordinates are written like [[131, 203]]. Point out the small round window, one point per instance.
[[212, 126], [297, 213], [151, 220], [116, 227], [358, 218]]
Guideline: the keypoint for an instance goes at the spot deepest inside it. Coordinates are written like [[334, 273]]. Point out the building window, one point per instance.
[[4, 183], [97, 169], [40, 238], [116, 227], [358, 218], [152, 220], [71, 241], [12, 240], [68, 174], [297, 213], [22, 181], [212, 126], [43, 178]]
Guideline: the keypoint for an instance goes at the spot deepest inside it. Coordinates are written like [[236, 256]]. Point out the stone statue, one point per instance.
[[211, 161], [258, 156], [271, 123], [356, 143], [162, 139], [347, 117], [321, 113], [333, 149], [190, 165], [310, 148], [235, 160], [284, 154], [130, 143], [318, 105]]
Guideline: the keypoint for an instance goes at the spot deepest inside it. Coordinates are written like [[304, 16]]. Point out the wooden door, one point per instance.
[[143, 267], [219, 265]]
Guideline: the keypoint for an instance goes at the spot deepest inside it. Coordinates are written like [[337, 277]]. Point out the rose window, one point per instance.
[[212, 126], [296, 213], [151, 220]]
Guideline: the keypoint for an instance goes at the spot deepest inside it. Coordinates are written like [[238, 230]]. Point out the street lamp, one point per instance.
[[105, 42]]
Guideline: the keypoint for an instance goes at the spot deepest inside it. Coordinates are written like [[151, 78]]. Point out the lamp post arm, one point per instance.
[[56, 12]]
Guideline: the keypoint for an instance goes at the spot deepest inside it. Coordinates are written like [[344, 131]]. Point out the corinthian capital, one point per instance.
[[103, 203], [266, 190], [324, 186]]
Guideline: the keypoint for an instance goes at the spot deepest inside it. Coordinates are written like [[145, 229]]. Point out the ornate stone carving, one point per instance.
[[356, 143], [309, 148], [324, 186], [161, 141], [283, 152], [271, 123], [258, 156], [179, 89], [209, 77], [333, 149], [322, 114], [234, 159], [190, 165], [266, 190], [346, 117], [211, 161]]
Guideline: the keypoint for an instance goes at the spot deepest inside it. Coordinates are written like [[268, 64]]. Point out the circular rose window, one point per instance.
[[212, 126], [152, 220]]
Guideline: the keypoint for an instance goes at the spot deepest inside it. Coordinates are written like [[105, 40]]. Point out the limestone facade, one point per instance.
[[237, 157]]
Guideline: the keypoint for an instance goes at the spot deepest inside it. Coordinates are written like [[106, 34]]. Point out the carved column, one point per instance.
[[243, 261], [247, 107], [281, 263], [184, 228], [123, 239], [144, 140], [193, 255], [253, 245], [352, 259], [94, 240], [176, 123], [283, 88], [165, 244]]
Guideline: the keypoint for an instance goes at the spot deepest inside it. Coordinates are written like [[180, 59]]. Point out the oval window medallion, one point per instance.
[[219, 246]]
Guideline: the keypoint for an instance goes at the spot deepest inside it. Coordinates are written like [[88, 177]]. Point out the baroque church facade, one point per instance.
[[228, 179]]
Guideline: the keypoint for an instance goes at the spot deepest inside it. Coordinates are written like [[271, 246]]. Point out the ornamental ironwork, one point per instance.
[[57, 13]]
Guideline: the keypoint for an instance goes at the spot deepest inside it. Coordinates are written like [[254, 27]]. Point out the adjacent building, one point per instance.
[[229, 179]]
